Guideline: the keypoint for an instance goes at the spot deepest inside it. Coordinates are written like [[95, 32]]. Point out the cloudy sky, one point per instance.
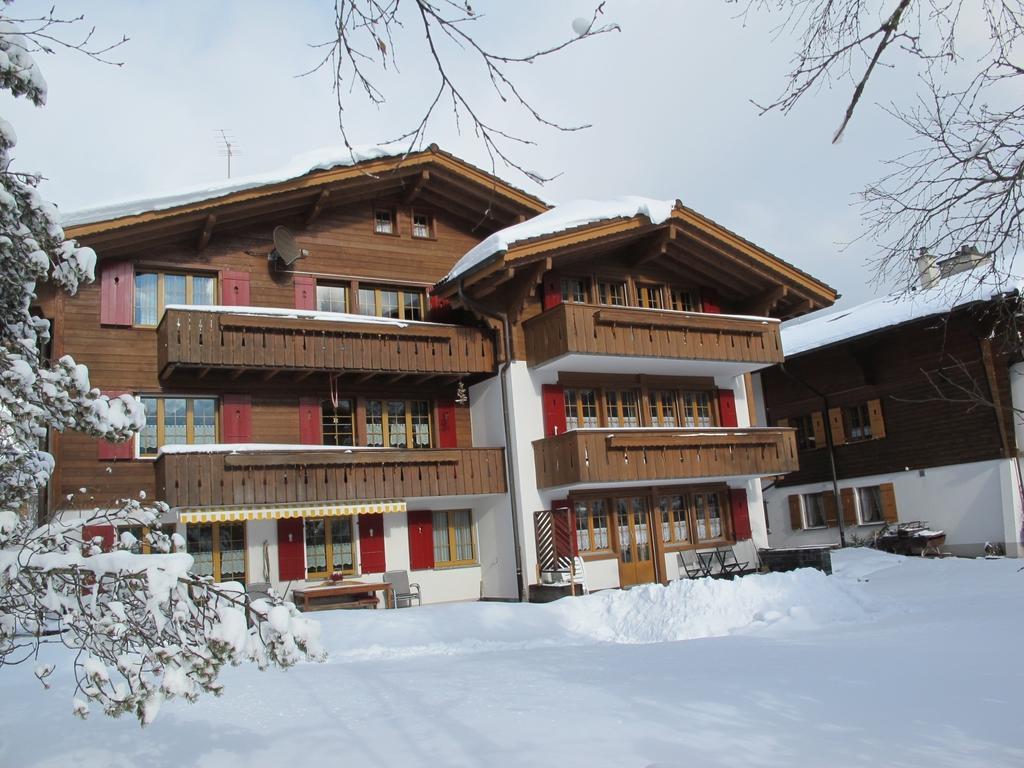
[[669, 98]]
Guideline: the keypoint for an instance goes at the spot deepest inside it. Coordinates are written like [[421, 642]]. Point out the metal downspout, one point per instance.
[[831, 451], [513, 488]]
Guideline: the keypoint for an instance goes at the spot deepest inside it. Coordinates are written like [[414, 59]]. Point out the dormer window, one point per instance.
[[384, 221], [422, 225]]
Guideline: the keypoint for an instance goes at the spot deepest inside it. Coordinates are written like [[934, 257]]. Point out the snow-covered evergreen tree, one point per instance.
[[145, 628]]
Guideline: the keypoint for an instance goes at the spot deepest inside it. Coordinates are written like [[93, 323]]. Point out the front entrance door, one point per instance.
[[633, 526]]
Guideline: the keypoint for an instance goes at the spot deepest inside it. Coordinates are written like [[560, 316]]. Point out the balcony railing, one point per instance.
[[204, 340], [302, 475], [606, 456], [630, 332]]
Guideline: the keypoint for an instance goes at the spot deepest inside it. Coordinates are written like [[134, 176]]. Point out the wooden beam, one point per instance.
[[1005, 430], [414, 191], [207, 232], [318, 206], [659, 249], [303, 376], [491, 286], [521, 292], [763, 304], [366, 377], [203, 372], [271, 374], [237, 372]]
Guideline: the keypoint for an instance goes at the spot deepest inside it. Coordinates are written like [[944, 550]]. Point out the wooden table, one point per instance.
[[302, 596]]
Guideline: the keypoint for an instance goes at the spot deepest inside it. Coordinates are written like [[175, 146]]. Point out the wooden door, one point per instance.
[[371, 544], [633, 537]]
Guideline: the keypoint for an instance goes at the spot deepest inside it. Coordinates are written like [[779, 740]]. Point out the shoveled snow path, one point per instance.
[[913, 665]]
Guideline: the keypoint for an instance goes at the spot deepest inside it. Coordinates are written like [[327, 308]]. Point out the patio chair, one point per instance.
[[710, 565], [688, 565], [404, 592], [728, 563]]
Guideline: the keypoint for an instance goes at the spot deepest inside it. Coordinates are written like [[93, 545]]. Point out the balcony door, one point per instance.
[[635, 544]]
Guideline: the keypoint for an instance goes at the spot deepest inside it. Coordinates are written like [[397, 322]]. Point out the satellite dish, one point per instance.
[[285, 247]]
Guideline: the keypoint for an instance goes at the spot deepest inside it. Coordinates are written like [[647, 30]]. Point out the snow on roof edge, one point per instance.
[[561, 218], [894, 310]]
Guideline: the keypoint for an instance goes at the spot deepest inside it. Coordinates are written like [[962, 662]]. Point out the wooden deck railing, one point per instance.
[[631, 332], [297, 475], [207, 340], [602, 456]]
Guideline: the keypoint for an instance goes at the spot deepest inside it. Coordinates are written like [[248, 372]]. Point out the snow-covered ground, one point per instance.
[[891, 662]]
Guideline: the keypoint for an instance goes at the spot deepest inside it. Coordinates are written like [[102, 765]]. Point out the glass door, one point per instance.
[[633, 529]]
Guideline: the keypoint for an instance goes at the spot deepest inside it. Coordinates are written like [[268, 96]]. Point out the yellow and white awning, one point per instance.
[[276, 512]]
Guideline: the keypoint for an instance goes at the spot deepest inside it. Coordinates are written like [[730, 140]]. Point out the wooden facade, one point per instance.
[[626, 331], [612, 456], [297, 476], [931, 380]]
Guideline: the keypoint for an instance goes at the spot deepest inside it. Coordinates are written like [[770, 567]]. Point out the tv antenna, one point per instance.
[[229, 148]]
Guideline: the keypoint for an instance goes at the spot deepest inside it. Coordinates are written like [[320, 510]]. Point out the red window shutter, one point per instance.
[[117, 293], [305, 292], [105, 532], [727, 408], [563, 529], [110, 451], [291, 549], [553, 403], [709, 301], [446, 435], [236, 418], [552, 291], [310, 421], [440, 310], [421, 540], [740, 514], [371, 543], [234, 289]]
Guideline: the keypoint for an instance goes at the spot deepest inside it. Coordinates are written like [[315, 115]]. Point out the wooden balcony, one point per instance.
[[588, 329], [198, 341], [618, 456], [302, 475]]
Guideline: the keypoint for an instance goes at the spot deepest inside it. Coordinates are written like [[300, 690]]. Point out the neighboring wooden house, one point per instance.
[[921, 394], [335, 415]]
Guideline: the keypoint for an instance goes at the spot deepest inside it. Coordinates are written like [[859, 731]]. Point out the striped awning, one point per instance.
[[276, 512]]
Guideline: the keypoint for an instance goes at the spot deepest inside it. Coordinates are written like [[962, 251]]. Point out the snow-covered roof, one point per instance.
[[561, 218], [822, 330], [322, 159]]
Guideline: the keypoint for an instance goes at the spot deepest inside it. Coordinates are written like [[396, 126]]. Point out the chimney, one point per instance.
[[964, 260], [927, 270]]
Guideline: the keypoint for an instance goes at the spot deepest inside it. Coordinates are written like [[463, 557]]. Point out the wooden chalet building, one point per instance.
[[336, 414], [922, 396]]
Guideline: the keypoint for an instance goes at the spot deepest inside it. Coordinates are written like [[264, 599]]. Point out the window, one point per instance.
[[869, 505], [707, 510], [384, 221], [338, 422], [591, 525], [218, 550], [392, 301], [858, 423], [814, 510], [674, 523], [328, 546], [684, 301], [663, 408], [332, 298], [622, 408], [805, 439], [156, 290], [574, 290], [422, 225], [405, 423], [177, 421], [453, 538], [650, 296], [613, 294], [580, 408], [697, 410]]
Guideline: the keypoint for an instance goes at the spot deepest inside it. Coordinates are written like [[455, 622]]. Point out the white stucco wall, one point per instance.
[[970, 502]]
